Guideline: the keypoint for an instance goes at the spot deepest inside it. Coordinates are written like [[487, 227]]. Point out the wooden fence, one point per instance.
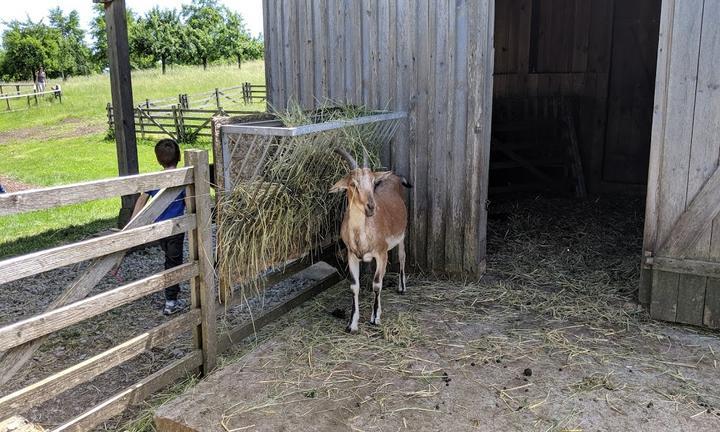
[[20, 339], [187, 117], [5, 86], [181, 124], [7, 97]]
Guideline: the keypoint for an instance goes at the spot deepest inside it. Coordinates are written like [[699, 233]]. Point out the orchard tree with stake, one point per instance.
[[204, 30], [159, 36]]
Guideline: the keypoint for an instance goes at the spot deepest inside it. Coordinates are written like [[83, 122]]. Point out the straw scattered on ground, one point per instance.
[[550, 339]]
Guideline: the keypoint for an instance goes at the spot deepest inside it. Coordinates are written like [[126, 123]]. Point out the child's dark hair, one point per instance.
[[167, 152]]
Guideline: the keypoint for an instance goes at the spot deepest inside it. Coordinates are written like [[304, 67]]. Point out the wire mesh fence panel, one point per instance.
[[273, 183]]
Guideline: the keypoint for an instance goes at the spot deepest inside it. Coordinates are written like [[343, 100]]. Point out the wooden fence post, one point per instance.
[[202, 287], [181, 124], [141, 118], [176, 123], [111, 120]]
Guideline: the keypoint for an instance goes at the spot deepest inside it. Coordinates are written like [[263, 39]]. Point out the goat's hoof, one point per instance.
[[401, 292], [349, 329], [375, 323]]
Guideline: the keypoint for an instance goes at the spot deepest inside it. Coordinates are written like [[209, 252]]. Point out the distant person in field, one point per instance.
[[41, 79], [167, 153]]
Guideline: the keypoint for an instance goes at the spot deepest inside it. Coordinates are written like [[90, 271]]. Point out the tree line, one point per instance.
[[200, 33]]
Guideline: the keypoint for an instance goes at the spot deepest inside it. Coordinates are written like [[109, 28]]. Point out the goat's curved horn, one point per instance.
[[348, 158]]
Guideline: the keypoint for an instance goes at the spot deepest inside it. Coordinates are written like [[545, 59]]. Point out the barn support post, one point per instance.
[[122, 101], [202, 286]]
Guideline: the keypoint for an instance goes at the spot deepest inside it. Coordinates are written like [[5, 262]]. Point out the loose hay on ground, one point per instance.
[[558, 298]]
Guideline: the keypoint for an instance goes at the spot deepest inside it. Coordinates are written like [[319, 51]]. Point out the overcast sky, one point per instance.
[[251, 10]]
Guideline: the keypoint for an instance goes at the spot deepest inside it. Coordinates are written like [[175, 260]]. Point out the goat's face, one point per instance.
[[360, 185]]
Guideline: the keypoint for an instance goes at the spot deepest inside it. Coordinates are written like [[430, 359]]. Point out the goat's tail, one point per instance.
[[405, 182]]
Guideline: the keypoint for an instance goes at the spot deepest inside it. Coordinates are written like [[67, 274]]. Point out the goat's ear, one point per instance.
[[382, 175], [340, 186]]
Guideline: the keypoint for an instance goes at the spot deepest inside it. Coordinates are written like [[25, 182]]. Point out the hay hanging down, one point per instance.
[[285, 209]]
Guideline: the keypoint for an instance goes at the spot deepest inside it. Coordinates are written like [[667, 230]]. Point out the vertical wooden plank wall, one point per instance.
[[685, 155], [707, 123], [675, 165], [432, 59]]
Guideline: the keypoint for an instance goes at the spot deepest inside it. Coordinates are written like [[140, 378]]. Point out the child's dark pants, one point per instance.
[[173, 248]]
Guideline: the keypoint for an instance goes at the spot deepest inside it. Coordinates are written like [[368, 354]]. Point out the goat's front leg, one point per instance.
[[354, 266], [401, 279], [381, 264]]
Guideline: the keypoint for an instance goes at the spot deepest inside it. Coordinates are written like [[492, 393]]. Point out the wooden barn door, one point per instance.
[[681, 268]]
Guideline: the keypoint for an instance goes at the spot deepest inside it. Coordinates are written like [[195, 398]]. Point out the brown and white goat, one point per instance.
[[373, 224]]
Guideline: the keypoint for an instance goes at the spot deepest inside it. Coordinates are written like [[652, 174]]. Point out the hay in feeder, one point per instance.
[[281, 208]]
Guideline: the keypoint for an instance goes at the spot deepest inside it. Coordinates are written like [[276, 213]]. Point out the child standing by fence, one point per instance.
[[167, 153]]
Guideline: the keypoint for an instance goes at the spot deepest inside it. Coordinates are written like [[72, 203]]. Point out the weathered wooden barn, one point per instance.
[[589, 96]]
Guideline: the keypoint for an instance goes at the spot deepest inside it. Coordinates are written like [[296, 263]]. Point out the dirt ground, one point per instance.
[[70, 127], [12, 185], [549, 340], [557, 301]]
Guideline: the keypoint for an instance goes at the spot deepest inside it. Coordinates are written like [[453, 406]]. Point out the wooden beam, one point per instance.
[[134, 394], [324, 254], [118, 52], [202, 286], [239, 333], [13, 360], [695, 221], [40, 199], [57, 319], [85, 371], [42, 261], [19, 424], [686, 266]]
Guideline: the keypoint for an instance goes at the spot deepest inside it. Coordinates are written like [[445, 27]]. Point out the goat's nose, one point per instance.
[[371, 206]]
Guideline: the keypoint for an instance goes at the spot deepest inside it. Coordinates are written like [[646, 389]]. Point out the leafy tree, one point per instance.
[[98, 32], [204, 31], [99, 36], [29, 45], [158, 35], [74, 57], [235, 38]]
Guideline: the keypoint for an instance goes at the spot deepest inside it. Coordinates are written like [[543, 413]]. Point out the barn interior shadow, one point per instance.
[[572, 115]]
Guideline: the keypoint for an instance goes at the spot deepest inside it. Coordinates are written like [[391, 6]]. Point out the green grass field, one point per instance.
[[29, 156]]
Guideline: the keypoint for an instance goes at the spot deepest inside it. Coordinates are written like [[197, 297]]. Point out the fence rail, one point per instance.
[[187, 117], [20, 339], [7, 97]]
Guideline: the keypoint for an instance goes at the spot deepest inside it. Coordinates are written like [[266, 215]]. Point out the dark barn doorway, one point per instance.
[[574, 84]]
